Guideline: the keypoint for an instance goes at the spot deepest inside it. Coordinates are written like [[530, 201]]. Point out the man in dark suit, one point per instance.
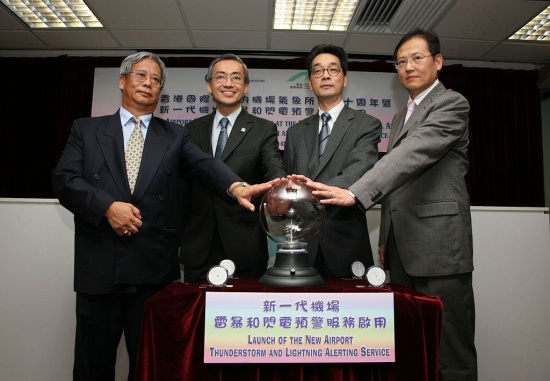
[[214, 229], [127, 229], [350, 150], [426, 229]]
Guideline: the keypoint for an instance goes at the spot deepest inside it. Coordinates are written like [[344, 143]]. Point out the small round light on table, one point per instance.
[[376, 276], [217, 276], [229, 265], [358, 269]]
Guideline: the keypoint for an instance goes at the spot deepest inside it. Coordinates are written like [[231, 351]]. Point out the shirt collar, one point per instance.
[[334, 112], [126, 116], [423, 94], [232, 117]]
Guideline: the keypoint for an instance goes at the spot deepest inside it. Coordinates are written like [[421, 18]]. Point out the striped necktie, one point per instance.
[[324, 134]]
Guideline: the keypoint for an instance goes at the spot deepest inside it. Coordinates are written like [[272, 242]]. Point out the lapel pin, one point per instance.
[[243, 129]]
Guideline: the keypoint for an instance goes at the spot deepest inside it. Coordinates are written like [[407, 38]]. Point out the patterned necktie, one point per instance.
[[133, 153], [410, 109], [324, 134], [222, 139]]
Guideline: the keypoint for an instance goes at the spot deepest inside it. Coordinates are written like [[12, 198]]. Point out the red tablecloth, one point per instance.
[[172, 338]]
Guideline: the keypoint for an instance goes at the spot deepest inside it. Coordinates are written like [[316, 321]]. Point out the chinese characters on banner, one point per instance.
[[282, 96], [243, 327]]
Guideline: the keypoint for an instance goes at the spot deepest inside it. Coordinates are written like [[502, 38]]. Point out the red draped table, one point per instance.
[[172, 338]]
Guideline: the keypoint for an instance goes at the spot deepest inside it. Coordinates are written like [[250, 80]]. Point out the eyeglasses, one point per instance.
[[333, 71], [222, 78], [414, 60], [141, 76]]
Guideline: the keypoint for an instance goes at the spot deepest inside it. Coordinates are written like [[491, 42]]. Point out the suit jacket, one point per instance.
[[91, 175], [421, 182], [251, 152], [351, 150]]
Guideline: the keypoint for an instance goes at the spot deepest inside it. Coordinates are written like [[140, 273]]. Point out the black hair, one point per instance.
[[429, 36], [330, 49]]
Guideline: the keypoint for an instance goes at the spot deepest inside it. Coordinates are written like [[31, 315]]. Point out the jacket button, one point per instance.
[[168, 171], [96, 176], [161, 198]]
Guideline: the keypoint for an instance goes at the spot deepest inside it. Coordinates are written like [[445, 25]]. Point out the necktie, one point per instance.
[[324, 134], [222, 139], [410, 108], [133, 153]]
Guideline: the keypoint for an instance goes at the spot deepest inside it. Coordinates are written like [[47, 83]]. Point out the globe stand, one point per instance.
[[291, 268]]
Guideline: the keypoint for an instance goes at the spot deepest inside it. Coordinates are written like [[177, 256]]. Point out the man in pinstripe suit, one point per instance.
[[426, 229], [338, 157], [215, 230]]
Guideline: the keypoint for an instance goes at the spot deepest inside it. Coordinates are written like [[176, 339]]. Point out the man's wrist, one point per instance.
[[352, 195], [236, 186]]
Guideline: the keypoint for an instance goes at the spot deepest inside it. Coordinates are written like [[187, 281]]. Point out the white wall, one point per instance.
[[37, 318], [37, 322], [512, 265]]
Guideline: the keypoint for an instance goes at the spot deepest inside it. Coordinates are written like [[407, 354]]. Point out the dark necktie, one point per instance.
[[222, 139], [134, 150], [324, 134]]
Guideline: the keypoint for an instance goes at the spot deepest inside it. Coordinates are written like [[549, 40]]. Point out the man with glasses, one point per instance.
[[426, 230], [215, 230], [120, 176], [335, 146]]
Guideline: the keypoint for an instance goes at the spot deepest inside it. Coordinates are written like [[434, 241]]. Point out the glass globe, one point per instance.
[[290, 214]]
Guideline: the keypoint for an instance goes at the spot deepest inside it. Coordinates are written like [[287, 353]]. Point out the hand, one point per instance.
[[301, 178], [124, 218], [331, 195], [382, 254], [246, 194]]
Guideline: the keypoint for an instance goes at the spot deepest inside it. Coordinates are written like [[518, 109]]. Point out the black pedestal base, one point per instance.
[[291, 270]]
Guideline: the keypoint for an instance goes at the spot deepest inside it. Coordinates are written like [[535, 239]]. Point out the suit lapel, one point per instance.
[[337, 133], [111, 143], [205, 134], [412, 121], [417, 116], [243, 125], [311, 139], [156, 144], [397, 129]]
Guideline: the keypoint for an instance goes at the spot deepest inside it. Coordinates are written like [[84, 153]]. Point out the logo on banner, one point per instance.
[[299, 81]]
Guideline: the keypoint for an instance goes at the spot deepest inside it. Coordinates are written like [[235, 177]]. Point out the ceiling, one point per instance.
[[470, 30]]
